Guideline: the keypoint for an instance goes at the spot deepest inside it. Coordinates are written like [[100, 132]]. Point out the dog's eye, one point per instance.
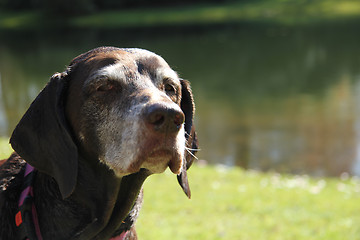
[[105, 87], [169, 89]]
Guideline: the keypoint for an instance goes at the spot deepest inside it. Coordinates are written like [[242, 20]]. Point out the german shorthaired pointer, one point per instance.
[[87, 143]]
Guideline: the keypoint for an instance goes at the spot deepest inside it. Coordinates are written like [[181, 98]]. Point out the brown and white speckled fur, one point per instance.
[[95, 133]]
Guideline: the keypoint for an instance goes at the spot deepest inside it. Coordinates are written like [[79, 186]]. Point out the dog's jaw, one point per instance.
[[169, 156]]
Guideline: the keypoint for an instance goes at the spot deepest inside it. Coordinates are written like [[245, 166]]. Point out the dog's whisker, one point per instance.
[[193, 149], [192, 154], [187, 142], [189, 135]]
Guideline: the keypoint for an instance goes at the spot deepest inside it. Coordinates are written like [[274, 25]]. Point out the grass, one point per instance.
[[286, 12], [230, 203], [5, 148]]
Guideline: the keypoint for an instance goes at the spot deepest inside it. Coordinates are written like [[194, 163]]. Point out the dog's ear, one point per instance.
[[188, 107], [43, 139]]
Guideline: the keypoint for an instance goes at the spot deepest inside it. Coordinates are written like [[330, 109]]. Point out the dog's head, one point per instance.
[[123, 107]]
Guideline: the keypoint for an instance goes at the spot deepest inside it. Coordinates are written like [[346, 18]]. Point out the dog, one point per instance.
[[87, 143]]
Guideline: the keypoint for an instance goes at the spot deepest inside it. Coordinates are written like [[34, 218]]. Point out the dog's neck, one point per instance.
[[96, 208]]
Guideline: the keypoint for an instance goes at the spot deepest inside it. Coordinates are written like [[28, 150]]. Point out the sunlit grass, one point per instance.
[[5, 148], [230, 203]]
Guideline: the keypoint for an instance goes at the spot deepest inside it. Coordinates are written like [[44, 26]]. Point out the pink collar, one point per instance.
[[26, 218], [121, 236]]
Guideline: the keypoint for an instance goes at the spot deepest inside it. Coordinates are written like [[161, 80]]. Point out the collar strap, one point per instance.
[[121, 236], [26, 218]]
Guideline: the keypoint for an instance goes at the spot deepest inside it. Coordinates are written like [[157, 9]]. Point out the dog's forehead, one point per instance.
[[146, 61], [118, 64]]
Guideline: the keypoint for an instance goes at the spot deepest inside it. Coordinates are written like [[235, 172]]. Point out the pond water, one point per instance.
[[267, 97]]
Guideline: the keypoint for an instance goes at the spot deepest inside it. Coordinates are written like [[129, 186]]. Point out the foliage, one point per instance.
[[75, 7], [287, 12], [113, 15], [68, 7]]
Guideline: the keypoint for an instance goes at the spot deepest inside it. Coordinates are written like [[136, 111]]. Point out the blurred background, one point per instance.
[[276, 82]]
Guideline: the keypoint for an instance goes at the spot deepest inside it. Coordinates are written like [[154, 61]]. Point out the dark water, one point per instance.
[[268, 97]]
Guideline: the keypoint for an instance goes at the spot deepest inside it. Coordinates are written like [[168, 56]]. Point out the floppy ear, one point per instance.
[[188, 107], [43, 139]]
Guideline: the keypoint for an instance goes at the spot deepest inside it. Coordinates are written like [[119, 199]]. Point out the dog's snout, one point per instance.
[[164, 119]]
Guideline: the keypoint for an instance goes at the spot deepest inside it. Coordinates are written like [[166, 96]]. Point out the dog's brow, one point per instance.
[[115, 71], [163, 73]]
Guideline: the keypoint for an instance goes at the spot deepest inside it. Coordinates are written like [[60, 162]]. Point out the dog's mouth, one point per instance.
[[148, 150], [159, 159], [152, 154]]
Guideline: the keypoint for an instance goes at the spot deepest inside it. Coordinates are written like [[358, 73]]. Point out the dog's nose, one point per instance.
[[164, 119]]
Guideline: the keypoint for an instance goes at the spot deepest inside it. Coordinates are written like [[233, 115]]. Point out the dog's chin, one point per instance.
[[153, 153], [159, 160], [155, 162]]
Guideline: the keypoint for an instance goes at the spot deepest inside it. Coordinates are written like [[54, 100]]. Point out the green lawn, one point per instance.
[[286, 12], [5, 148], [230, 203]]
